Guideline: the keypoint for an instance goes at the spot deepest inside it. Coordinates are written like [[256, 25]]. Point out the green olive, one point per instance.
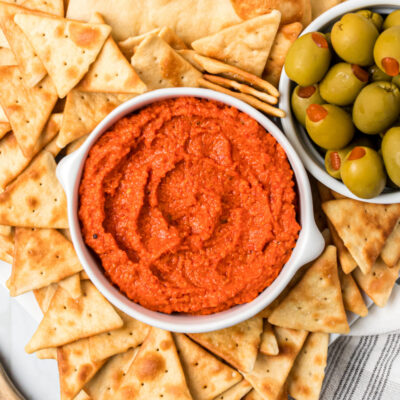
[[329, 126], [308, 59], [391, 154], [387, 51], [378, 75], [342, 84], [353, 38], [393, 19], [374, 17], [396, 80], [334, 160], [302, 97], [377, 107], [363, 173]]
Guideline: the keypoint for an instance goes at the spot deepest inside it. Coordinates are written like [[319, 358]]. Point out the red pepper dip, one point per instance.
[[190, 206]]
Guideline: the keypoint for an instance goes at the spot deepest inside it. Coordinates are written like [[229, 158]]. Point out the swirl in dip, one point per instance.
[[190, 206]]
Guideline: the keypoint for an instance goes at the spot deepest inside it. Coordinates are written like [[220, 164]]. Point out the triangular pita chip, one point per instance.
[[66, 48], [160, 66], [27, 109], [188, 55], [47, 354], [42, 257], [7, 57], [30, 65], [391, 250], [52, 147], [72, 285], [75, 145], [69, 319], [169, 36], [106, 382], [12, 159], [315, 303], [111, 72], [269, 344], [270, 372], [346, 260], [84, 111], [352, 298], [128, 46], [36, 198], [307, 375], [55, 7], [235, 392], [363, 227], [156, 371], [130, 335], [246, 45], [238, 345], [320, 6], [6, 250], [206, 376], [75, 368], [44, 296], [84, 276], [285, 37], [378, 284]]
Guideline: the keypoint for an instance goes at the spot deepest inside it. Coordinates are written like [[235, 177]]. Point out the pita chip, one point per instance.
[[235, 392], [391, 250], [3, 40], [29, 63], [315, 303], [379, 282], [246, 45], [82, 395], [66, 48], [27, 109], [130, 335], [320, 6], [128, 46], [253, 395], [270, 372], [75, 368], [155, 372], [44, 296], [84, 276], [238, 345], [75, 145], [7, 250], [111, 72], [84, 111], [160, 66], [285, 37], [188, 55], [170, 37], [269, 344], [352, 298], [12, 159], [47, 354], [291, 10], [68, 319], [363, 227], [206, 376], [42, 257], [72, 285], [307, 375], [7, 57], [106, 382], [346, 260], [36, 198], [55, 7]]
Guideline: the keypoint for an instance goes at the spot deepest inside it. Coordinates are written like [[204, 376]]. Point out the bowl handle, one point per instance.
[[315, 244], [67, 170]]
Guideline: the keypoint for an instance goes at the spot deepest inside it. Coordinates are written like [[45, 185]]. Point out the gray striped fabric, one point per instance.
[[363, 368]]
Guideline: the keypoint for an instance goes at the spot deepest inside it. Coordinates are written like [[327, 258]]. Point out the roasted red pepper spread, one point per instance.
[[190, 206]]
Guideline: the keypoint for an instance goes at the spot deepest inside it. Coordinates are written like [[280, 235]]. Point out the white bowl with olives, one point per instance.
[[341, 92]]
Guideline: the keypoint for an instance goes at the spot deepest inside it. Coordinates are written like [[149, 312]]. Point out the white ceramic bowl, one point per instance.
[[309, 245], [297, 135]]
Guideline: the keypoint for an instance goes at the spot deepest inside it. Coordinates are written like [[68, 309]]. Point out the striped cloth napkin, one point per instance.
[[363, 368]]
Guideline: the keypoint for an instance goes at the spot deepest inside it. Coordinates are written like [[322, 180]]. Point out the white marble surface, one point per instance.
[[36, 379]]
